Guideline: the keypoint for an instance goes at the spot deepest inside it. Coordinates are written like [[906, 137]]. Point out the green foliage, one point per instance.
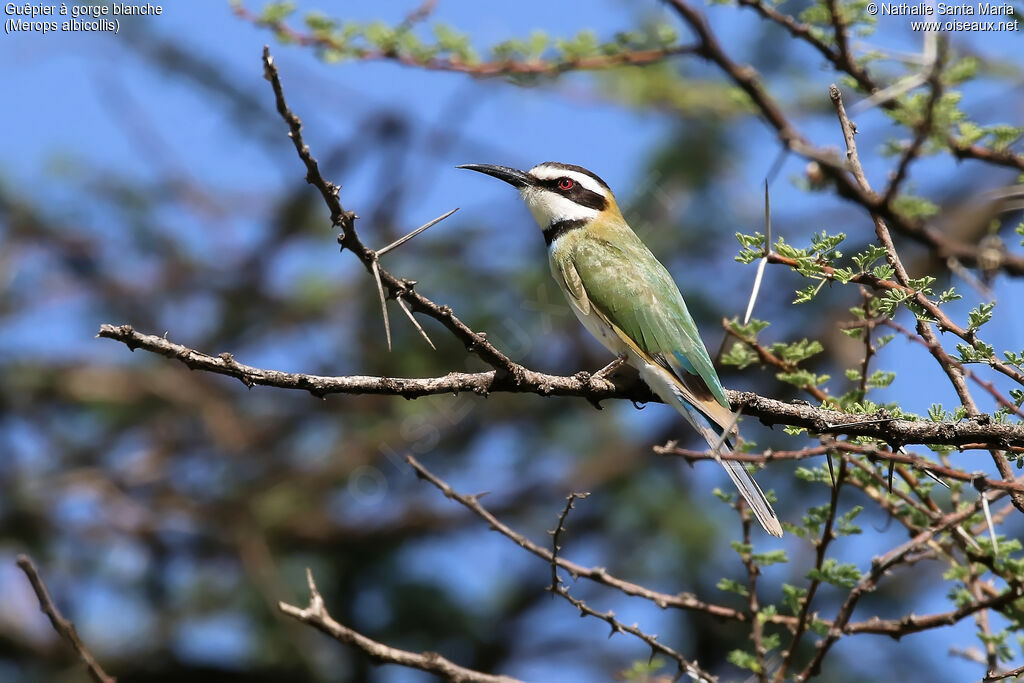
[[796, 352], [841, 575], [880, 379], [813, 474], [793, 597], [739, 355], [752, 247], [825, 245], [643, 669], [936, 413], [750, 330], [844, 522], [802, 378], [744, 660], [980, 352], [732, 586], [816, 516], [980, 315], [960, 70], [337, 40], [945, 114], [1015, 359], [530, 49], [867, 257], [949, 295], [274, 12], [726, 497], [769, 558], [915, 207]]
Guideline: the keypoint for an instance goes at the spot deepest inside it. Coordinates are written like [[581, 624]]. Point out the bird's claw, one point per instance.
[[611, 367]]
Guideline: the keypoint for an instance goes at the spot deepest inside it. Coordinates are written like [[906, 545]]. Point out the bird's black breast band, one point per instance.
[[559, 228]]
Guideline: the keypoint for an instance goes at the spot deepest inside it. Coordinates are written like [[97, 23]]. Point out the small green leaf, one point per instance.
[[732, 586]]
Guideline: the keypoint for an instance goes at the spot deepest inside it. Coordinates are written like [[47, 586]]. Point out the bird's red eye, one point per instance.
[[565, 184]]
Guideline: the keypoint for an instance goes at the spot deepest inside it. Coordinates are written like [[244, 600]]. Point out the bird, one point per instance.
[[628, 300]]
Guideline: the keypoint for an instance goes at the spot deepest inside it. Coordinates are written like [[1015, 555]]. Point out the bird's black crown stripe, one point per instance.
[[578, 169], [559, 228]]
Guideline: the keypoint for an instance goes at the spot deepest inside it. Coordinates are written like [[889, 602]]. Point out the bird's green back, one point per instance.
[[629, 286]]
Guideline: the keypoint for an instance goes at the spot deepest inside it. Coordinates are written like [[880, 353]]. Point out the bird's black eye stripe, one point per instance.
[[578, 194]]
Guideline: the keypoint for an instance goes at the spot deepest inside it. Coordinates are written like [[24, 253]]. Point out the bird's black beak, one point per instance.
[[511, 176]]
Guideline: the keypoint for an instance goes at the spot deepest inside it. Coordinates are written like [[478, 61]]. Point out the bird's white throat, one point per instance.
[[549, 207]]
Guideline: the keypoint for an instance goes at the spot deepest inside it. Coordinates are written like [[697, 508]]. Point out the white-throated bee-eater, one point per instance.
[[625, 297]]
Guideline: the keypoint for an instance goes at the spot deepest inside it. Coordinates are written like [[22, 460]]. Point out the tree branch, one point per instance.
[[486, 69], [978, 432], [64, 627], [316, 615], [475, 343]]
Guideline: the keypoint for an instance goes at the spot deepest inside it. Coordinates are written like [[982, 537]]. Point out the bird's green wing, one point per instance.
[[629, 286]]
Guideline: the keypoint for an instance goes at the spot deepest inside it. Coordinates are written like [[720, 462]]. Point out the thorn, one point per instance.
[[831, 470], [415, 323], [892, 468], [402, 240], [935, 477], [764, 260], [991, 526], [383, 301]]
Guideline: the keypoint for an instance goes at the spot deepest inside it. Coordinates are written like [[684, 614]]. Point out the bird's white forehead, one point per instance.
[[545, 172]]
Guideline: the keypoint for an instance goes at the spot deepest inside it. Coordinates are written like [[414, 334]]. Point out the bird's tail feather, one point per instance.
[[752, 493], [745, 483], [712, 433]]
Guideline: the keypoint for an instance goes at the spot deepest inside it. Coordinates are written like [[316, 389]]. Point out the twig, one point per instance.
[[820, 548], [64, 627], [873, 452], [476, 343], [753, 605], [558, 587], [867, 583], [316, 615], [923, 128], [556, 535], [956, 377], [769, 358], [486, 69], [747, 79], [1002, 675], [978, 432]]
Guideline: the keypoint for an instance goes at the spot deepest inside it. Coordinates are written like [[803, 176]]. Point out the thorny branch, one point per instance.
[[316, 615], [956, 376], [894, 628], [558, 587], [397, 287], [979, 432], [747, 79], [64, 627], [872, 452], [820, 550]]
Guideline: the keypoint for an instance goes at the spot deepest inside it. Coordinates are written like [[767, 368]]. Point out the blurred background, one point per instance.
[[145, 178]]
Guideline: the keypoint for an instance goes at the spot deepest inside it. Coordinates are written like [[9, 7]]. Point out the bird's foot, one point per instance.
[[611, 367]]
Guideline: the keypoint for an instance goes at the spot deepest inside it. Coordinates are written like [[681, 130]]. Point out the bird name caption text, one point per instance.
[[31, 18], [978, 17]]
